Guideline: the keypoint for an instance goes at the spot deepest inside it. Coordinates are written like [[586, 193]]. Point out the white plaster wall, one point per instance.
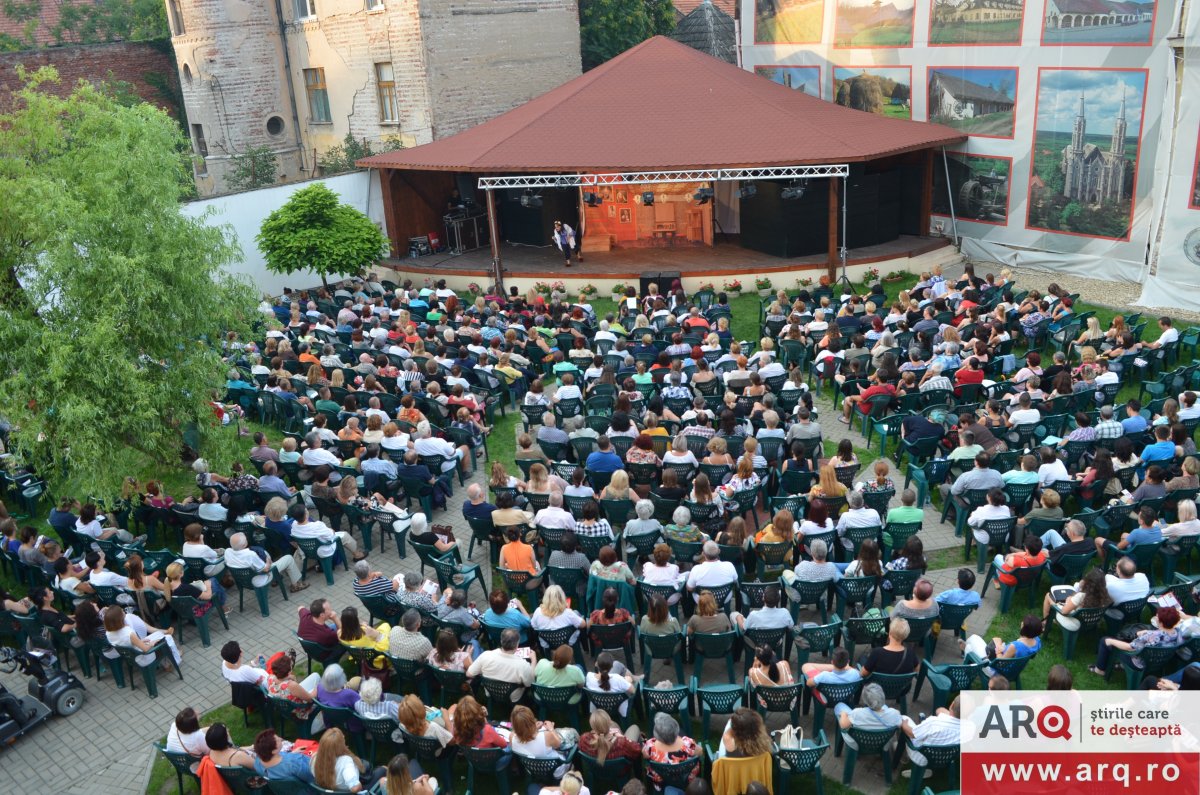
[[245, 212]]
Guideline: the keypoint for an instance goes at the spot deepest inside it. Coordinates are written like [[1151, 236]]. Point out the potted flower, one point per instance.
[[871, 276], [733, 286], [707, 287], [895, 276], [804, 283], [541, 288], [475, 290], [587, 292], [763, 285], [618, 292]]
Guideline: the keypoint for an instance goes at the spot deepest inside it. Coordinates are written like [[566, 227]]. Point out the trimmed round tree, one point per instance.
[[314, 231]]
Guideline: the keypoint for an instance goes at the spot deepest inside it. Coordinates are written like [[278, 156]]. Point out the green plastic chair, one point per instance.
[[607, 776], [1012, 669], [310, 547], [804, 592], [896, 687], [664, 648], [244, 578], [487, 762], [999, 532], [937, 757], [184, 608], [673, 700], [1150, 661], [1088, 618], [869, 741], [160, 651], [1072, 566], [181, 763], [1028, 579], [815, 638], [868, 630], [802, 761], [826, 695], [927, 476], [380, 730], [560, 700], [1173, 551], [716, 700], [784, 699], [1126, 612], [852, 591], [713, 646]]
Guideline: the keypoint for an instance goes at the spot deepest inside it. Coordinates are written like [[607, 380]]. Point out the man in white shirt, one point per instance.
[[941, 728], [1128, 583], [1188, 410], [771, 369], [233, 670], [303, 528], [505, 665], [553, 516], [1024, 414], [432, 445], [239, 556], [568, 390], [856, 515], [1169, 333], [711, 572], [373, 407], [994, 508], [315, 455], [1052, 469], [604, 334], [770, 615]]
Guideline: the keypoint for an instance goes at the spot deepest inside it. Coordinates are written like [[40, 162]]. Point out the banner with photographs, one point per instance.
[[1067, 105], [1174, 273]]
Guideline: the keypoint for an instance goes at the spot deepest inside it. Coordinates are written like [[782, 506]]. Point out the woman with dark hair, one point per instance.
[[816, 521], [275, 764], [1100, 470], [1028, 643], [223, 752], [768, 669], [604, 680], [658, 619], [746, 736], [358, 635], [642, 451], [1166, 633]]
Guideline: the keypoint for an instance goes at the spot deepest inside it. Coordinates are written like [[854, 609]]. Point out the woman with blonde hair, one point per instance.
[[337, 380], [618, 487], [374, 432], [211, 594], [542, 482], [746, 735], [553, 613], [335, 767], [827, 485], [708, 618], [401, 781], [718, 452], [316, 376]]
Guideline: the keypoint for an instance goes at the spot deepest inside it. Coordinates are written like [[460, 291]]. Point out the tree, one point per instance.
[[608, 28], [111, 20], [313, 231], [257, 167], [111, 299], [341, 158], [900, 93]]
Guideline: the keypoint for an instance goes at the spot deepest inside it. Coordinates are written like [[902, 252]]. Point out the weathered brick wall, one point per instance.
[[486, 57], [131, 62], [230, 59]]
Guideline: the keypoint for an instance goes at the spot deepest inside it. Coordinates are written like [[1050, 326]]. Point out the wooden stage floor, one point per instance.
[[722, 259]]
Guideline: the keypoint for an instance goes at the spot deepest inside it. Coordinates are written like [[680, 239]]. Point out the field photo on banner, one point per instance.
[[968, 22], [801, 78], [788, 21], [979, 186], [977, 100], [1087, 22], [868, 24], [881, 90]]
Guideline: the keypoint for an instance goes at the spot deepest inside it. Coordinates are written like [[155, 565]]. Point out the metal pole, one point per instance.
[[494, 238], [950, 196]]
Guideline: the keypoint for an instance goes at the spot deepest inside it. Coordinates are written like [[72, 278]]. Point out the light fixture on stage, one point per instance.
[[747, 191], [794, 190], [703, 195], [531, 199], [648, 198], [592, 199]]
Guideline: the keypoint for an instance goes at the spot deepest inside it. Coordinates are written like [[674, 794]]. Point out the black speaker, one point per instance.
[[786, 227], [531, 226], [912, 186], [862, 206]]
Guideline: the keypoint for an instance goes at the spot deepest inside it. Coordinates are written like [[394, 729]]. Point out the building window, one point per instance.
[[201, 147], [318, 95], [374, 5], [175, 18], [306, 9], [387, 93]]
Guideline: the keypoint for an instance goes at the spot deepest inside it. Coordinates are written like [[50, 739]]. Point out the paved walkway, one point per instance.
[[105, 748]]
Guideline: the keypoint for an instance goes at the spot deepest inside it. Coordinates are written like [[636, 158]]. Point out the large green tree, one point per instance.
[[608, 28], [314, 231], [112, 301]]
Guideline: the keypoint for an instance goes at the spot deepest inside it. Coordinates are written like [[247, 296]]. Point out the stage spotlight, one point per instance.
[[703, 195], [747, 191], [531, 199], [648, 198], [592, 199], [795, 190]]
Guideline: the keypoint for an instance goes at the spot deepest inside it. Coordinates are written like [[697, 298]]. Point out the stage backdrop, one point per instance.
[[1175, 274], [1068, 105]]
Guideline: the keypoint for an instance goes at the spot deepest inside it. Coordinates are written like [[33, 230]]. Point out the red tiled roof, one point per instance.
[[686, 7], [663, 105], [47, 18]]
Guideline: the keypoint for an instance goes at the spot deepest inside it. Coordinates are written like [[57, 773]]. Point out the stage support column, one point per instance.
[[927, 194], [832, 260], [389, 211], [494, 239]]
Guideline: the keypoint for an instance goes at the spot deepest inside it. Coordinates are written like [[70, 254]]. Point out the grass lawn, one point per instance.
[[885, 36], [897, 111], [1000, 124], [791, 25], [1004, 32]]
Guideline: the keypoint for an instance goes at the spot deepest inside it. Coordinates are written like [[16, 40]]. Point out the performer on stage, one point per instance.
[[564, 238]]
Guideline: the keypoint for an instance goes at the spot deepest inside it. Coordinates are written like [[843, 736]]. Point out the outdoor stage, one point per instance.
[[694, 263]]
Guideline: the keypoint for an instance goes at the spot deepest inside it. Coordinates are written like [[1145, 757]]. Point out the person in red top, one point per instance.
[[1031, 555], [315, 624], [880, 385], [971, 374], [694, 320]]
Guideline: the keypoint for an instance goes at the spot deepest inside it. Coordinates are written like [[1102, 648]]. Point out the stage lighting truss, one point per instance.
[[621, 179]]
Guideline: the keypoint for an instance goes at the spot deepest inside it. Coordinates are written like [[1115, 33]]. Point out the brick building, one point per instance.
[[412, 70]]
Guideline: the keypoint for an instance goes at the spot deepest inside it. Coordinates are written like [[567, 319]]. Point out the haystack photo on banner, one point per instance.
[[876, 89], [788, 21], [867, 24], [801, 78], [1083, 22], [1085, 151], [979, 101], [979, 186], [966, 22]]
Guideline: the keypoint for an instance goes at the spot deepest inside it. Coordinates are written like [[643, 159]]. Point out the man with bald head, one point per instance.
[[240, 556]]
